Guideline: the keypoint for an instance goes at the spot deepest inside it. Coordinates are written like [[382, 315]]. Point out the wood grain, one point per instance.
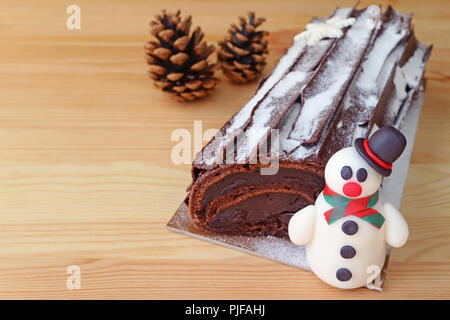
[[86, 176]]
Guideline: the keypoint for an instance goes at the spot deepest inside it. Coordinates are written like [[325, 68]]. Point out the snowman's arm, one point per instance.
[[396, 232], [301, 225]]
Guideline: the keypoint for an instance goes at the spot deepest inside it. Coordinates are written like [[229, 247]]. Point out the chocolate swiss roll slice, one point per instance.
[[267, 161]]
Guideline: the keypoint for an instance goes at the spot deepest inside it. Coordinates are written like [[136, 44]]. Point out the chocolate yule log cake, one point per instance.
[[343, 76]]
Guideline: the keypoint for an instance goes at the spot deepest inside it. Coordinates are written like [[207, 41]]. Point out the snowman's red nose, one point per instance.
[[352, 189]]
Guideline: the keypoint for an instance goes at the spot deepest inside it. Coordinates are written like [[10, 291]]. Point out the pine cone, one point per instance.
[[178, 62], [242, 53]]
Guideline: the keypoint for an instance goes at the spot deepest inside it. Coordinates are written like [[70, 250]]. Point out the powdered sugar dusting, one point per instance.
[[304, 152], [279, 99], [286, 144], [265, 113], [213, 151], [400, 83], [393, 31], [407, 78], [321, 87], [241, 118], [282, 250], [409, 72], [314, 107], [209, 156], [313, 55], [282, 67], [364, 91], [333, 78]]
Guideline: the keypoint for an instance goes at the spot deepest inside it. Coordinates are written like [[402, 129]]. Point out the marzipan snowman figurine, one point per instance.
[[346, 230]]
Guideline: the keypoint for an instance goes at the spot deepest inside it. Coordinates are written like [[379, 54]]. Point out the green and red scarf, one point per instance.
[[343, 207]]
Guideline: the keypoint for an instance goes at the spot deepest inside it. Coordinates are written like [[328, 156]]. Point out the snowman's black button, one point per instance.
[[343, 274], [350, 227], [348, 252]]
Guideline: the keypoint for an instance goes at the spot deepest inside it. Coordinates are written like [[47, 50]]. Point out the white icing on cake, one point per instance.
[[331, 28]]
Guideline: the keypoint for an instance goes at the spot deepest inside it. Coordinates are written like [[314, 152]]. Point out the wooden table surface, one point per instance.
[[86, 176]]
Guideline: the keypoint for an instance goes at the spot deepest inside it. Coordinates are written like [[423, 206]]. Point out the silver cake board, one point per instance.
[[282, 250]]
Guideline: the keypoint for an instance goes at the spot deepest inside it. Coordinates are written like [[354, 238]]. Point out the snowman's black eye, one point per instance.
[[346, 172], [361, 175]]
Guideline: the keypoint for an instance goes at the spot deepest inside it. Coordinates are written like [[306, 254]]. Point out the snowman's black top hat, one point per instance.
[[382, 149]]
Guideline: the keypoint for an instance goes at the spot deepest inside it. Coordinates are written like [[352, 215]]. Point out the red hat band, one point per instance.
[[374, 157]]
